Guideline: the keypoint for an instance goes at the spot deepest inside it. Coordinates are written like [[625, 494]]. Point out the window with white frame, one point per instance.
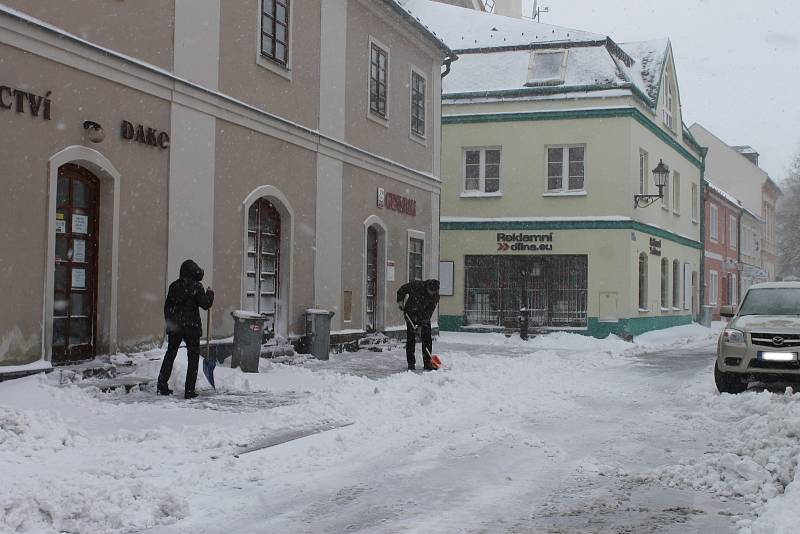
[[732, 231], [676, 284], [566, 168], [643, 172], [695, 202], [417, 104], [668, 103], [666, 199], [643, 281], [713, 225], [275, 30], [482, 170], [713, 287], [378, 79], [547, 67], [664, 283], [676, 192], [416, 258], [732, 300]]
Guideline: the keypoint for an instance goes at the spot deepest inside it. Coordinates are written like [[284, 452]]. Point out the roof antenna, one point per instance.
[[537, 11]]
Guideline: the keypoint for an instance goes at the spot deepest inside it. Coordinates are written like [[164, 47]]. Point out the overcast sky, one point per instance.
[[738, 62]]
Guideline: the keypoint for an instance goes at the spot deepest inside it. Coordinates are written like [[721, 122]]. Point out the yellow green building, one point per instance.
[[548, 133]]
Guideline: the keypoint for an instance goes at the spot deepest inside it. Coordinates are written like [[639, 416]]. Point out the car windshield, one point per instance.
[[773, 301]]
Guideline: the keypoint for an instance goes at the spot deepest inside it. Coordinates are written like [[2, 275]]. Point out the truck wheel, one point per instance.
[[728, 382]]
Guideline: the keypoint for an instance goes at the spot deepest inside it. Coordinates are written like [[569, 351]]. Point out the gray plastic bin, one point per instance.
[[706, 313], [318, 330], [248, 331]]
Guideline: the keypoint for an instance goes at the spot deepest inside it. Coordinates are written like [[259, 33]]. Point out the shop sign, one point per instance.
[[22, 100], [143, 135], [523, 242], [394, 202], [655, 246]]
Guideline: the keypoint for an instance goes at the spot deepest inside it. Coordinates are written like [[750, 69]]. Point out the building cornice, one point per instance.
[[574, 114]]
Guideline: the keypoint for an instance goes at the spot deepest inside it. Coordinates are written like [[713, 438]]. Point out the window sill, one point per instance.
[[480, 194], [565, 194], [378, 119], [665, 208], [676, 309], [274, 67], [644, 310], [419, 139], [694, 221], [666, 309], [676, 213]]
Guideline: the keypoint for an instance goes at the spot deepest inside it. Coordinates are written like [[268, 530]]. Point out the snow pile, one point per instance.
[[754, 458]]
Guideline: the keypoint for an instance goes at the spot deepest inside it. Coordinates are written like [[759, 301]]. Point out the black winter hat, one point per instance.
[[432, 285]]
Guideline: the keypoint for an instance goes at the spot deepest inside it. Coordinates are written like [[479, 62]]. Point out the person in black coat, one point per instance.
[[182, 315], [418, 299]]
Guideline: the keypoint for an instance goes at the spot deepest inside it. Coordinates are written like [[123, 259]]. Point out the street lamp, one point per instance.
[[660, 175]]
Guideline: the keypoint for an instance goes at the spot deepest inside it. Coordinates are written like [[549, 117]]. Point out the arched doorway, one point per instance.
[[263, 261], [374, 291], [76, 281]]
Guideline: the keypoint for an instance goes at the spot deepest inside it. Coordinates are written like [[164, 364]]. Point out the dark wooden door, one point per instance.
[[372, 278], [262, 270], [75, 283]]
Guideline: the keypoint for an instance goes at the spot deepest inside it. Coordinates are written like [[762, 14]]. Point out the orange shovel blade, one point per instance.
[[436, 362]]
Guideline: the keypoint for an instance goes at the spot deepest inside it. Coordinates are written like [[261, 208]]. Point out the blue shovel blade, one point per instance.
[[208, 370]]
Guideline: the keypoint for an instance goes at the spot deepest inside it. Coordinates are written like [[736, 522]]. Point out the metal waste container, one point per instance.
[[318, 331], [248, 331], [706, 313]]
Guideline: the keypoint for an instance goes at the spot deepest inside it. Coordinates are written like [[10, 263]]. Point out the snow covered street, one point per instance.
[[558, 434]]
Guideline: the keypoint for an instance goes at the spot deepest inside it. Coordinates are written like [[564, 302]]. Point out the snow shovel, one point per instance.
[[436, 361], [209, 363]]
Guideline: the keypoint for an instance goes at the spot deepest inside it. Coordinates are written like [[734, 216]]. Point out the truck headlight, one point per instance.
[[731, 336]]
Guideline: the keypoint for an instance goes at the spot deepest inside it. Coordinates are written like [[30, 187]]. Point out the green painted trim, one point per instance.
[[572, 225], [595, 328], [576, 114], [451, 323], [554, 89]]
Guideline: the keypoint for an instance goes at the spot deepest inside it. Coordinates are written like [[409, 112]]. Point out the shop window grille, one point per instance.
[[552, 288]]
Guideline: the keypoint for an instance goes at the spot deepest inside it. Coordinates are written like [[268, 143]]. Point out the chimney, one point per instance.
[[508, 8], [748, 152]]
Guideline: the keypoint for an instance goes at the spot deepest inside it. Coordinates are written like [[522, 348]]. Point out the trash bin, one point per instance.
[[248, 329], [524, 317], [705, 315], [318, 331]]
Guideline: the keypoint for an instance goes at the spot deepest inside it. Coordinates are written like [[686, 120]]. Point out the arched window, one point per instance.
[[676, 284], [664, 283], [643, 281], [263, 259]]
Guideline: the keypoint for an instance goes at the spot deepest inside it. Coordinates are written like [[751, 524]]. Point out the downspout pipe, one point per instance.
[[447, 61], [702, 274]]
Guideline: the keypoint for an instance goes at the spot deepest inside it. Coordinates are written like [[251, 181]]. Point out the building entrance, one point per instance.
[[552, 288], [75, 281], [262, 284]]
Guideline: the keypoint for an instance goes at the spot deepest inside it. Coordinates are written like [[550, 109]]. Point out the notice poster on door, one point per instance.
[[78, 278], [61, 224], [80, 224], [79, 250]]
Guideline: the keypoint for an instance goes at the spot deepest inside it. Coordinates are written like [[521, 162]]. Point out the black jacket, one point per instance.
[[185, 298], [420, 304]]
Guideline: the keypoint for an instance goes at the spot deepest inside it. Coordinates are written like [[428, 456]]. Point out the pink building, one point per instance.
[[723, 214]]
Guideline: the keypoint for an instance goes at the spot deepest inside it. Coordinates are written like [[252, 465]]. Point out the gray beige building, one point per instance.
[[290, 147]]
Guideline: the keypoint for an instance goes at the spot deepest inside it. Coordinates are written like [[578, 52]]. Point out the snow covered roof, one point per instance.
[[724, 194], [462, 29], [495, 53], [745, 149]]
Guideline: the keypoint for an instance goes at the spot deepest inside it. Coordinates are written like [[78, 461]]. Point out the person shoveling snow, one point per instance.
[[418, 299]]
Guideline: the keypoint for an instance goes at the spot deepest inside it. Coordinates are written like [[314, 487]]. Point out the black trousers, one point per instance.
[[193, 353], [427, 342]]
